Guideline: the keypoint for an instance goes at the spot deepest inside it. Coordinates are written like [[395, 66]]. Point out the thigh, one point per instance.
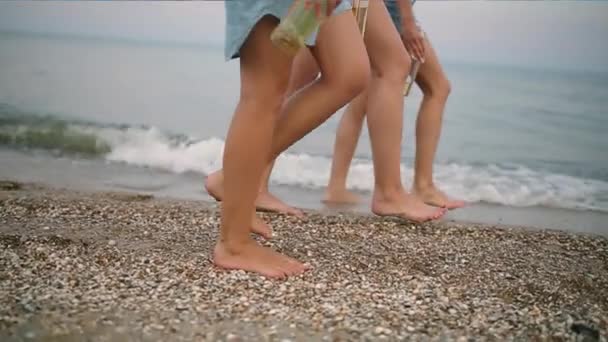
[[384, 45], [339, 48], [265, 69]]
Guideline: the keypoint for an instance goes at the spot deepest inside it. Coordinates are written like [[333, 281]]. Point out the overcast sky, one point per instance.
[[555, 33]]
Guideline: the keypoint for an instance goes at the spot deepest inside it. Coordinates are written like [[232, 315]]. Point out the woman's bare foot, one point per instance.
[[214, 184], [437, 198], [269, 202], [252, 257], [260, 227], [341, 196], [406, 206]]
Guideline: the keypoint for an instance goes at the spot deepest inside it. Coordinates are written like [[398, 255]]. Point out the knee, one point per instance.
[[394, 68], [265, 99], [350, 79], [438, 88]]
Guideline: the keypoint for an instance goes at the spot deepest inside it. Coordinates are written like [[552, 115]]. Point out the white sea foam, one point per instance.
[[512, 186]]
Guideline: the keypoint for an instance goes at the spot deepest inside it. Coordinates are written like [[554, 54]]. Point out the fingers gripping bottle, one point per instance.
[[303, 19], [411, 78]]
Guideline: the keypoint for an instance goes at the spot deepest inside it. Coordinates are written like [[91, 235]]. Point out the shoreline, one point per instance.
[[489, 214], [93, 175], [126, 266]]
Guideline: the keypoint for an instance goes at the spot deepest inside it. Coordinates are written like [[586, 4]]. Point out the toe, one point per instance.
[[457, 204], [296, 212], [265, 234], [440, 213], [294, 267], [288, 269], [276, 273]]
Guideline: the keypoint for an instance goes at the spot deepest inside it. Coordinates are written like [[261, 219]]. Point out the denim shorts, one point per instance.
[[393, 10]]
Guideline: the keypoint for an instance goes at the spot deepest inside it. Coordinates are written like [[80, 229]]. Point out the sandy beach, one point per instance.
[[127, 267]]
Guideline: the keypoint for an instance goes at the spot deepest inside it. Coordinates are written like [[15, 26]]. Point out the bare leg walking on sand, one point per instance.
[[261, 91], [300, 76], [435, 88], [255, 137], [304, 71], [384, 102]]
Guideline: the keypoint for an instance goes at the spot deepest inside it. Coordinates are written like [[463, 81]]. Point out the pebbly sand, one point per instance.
[[125, 267]]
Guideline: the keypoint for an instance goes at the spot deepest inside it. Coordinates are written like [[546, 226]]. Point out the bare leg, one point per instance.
[[342, 77], [390, 64], [344, 66], [336, 76], [344, 73], [436, 88], [343, 60], [264, 76], [303, 71], [347, 136]]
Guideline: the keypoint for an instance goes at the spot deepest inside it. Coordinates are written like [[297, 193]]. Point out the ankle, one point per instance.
[[233, 246], [336, 186], [423, 185], [388, 193]]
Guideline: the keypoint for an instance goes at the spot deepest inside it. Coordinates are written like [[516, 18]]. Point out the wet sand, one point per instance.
[[123, 267]]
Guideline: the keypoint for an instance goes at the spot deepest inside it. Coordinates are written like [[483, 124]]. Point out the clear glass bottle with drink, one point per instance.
[[303, 19]]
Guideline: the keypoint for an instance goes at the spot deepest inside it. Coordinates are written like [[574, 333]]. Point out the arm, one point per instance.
[[412, 38]]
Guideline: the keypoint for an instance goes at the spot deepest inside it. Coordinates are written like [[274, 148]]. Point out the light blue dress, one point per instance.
[[242, 15]]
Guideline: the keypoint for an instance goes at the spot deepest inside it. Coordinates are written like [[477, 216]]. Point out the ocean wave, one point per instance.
[[21, 130], [511, 185]]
